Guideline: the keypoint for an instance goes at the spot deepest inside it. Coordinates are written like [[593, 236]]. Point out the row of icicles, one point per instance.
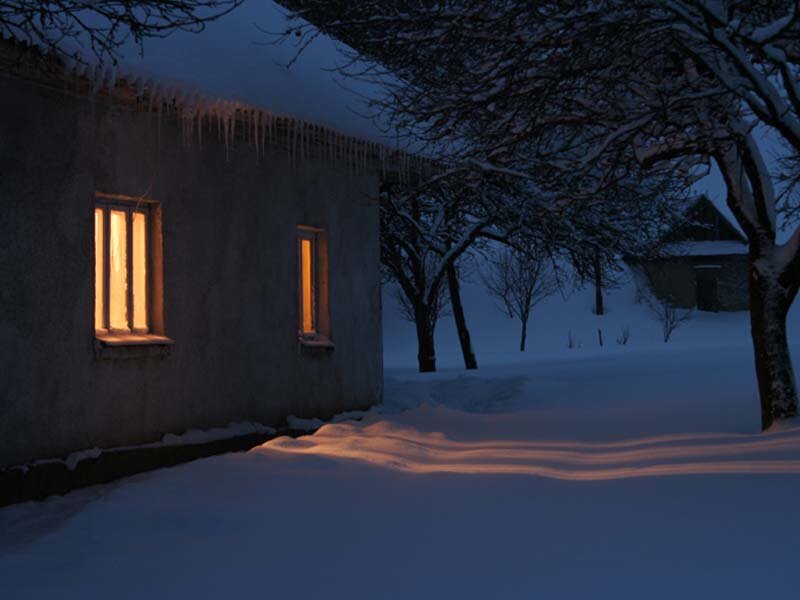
[[260, 129], [199, 116]]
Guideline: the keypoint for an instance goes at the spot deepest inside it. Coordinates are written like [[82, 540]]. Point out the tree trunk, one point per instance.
[[470, 362], [426, 351], [524, 335], [598, 286], [769, 304]]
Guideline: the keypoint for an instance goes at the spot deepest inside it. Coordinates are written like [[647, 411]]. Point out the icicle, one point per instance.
[[297, 142], [246, 124], [97, 79], [290, 139], [271, 126], [264, 126], [225, 132], [199, 116], [301, 134], [140, 86], [306, 141], [152, 98], [314, 140], [233, 126], [218, 115], [256, 116], [109, 78], [157, 101], [190, 118]]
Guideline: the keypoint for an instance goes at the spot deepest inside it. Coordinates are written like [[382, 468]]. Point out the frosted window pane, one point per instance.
[[139, 271], [307, 290], [99, 280], [118, 284]]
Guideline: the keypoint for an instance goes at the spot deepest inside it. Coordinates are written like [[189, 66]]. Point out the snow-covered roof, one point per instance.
[[245, 83], [705, 248], [235, 59]]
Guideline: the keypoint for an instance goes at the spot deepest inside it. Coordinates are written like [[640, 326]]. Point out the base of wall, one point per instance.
[[38, 481]]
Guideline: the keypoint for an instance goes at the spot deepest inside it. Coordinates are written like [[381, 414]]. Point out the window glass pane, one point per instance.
[[307, 287], [139, 271], [99, 280], [118, 284]]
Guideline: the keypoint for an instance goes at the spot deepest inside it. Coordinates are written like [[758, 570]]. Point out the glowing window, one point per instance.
[[312, 284], [307, 286], [120, 272]]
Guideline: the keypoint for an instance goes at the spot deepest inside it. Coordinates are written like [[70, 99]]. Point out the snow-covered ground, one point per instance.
[[621, 472]]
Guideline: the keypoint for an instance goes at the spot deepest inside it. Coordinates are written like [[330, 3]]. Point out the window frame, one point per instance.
[[321, 335], [153, 332]]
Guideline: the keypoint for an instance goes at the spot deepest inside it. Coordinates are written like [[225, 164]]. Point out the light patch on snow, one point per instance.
[[392, 446]]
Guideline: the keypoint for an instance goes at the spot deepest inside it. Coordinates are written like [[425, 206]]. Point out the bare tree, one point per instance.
[[425, 230], [667, 314], [464, 338], [602, 270], [520, 280], [77, 29]]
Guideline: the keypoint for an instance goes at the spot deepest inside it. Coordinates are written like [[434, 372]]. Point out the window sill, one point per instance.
[[321, 344], [132, 345]]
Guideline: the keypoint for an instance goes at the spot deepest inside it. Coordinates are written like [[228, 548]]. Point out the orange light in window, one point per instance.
[[118, 281], [139, 272], [307, 287], [99, 280]]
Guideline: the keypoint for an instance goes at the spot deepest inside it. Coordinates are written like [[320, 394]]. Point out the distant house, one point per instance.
[[171, 263], [703, 265]]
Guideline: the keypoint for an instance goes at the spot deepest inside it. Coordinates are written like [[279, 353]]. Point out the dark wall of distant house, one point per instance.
[[230, 280], [675, 280]]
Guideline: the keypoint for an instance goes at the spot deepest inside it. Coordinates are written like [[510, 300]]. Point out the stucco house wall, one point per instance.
[[230, 279]]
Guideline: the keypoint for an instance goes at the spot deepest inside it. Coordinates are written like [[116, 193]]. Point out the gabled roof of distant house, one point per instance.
[[705, 231]]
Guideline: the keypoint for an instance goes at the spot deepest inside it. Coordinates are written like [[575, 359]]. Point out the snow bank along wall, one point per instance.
[[232, 186]]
